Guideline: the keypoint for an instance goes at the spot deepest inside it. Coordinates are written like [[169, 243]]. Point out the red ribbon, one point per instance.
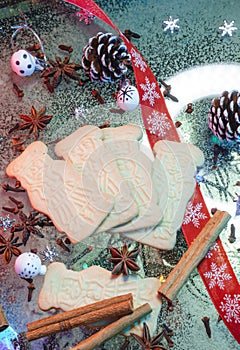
[[215, 269]]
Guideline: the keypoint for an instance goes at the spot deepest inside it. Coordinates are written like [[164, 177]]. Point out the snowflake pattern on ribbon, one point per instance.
[[231, 307], [193, 214], [215, 248], [150, 92], [138, 60], [217, 275], [158, 123]]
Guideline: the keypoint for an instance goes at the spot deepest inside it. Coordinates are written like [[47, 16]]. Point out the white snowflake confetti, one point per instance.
[[171, 24], [215, 247], [49, 254], [6, 223], [227, 29], [193, 214], [217, 276], [231, 306], [80, 112], [138, 61], [85, 16], [158, 123], [149, 91]]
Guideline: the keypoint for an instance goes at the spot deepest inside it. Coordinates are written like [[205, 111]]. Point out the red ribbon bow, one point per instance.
[[215, 269]]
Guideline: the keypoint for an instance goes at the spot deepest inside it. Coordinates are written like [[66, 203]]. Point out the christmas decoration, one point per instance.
[[105, 58], [224, 116]]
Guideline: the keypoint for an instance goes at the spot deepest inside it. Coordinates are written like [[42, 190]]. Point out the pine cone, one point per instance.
[[105, 58], [224, 116]]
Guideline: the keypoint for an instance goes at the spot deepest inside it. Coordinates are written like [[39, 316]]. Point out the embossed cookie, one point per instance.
[[136, 168], [56, 189], [85, 150], [173, 178], [67, 290]]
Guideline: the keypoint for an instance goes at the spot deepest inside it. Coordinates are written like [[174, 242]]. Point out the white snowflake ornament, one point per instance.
[[227, 28], [49, 254], [85, 16], [6, 223], [128, 98], [171, 24]]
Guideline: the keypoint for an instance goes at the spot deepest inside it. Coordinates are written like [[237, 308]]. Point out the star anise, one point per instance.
[[35, 122], [28, 225], [124, 260], [61, 69], [8, 247], [146, 342]]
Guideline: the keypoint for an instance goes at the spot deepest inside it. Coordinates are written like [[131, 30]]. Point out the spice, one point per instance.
[[46, 81], [81, 255], [178, 124], [34, 47], [61, 70], [232, 236], [147, 342], [129, 34], [195, 253], [18, 144], [19, 92], [66, 48], [189, 108], [7, 187], [113, 328], [105, 125], [168, 330], [166, 93], [96, 94], [11, 210], [31, 288], [168, 339], [3, 320], [28, 226], [207, 325], [213, 210], [124, 260], [9, 247], [104, 310], [19, 204], [36, 122], [17, 184], [60, 242], [216, 151]]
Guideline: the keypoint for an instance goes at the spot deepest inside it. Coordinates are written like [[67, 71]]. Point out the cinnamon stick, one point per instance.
[[193, 256], [110, 312], [113, 329], [3, 320], [80, 311]]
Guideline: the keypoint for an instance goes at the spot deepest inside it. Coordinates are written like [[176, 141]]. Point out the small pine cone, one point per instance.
[[105, 58], [224, 116]]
